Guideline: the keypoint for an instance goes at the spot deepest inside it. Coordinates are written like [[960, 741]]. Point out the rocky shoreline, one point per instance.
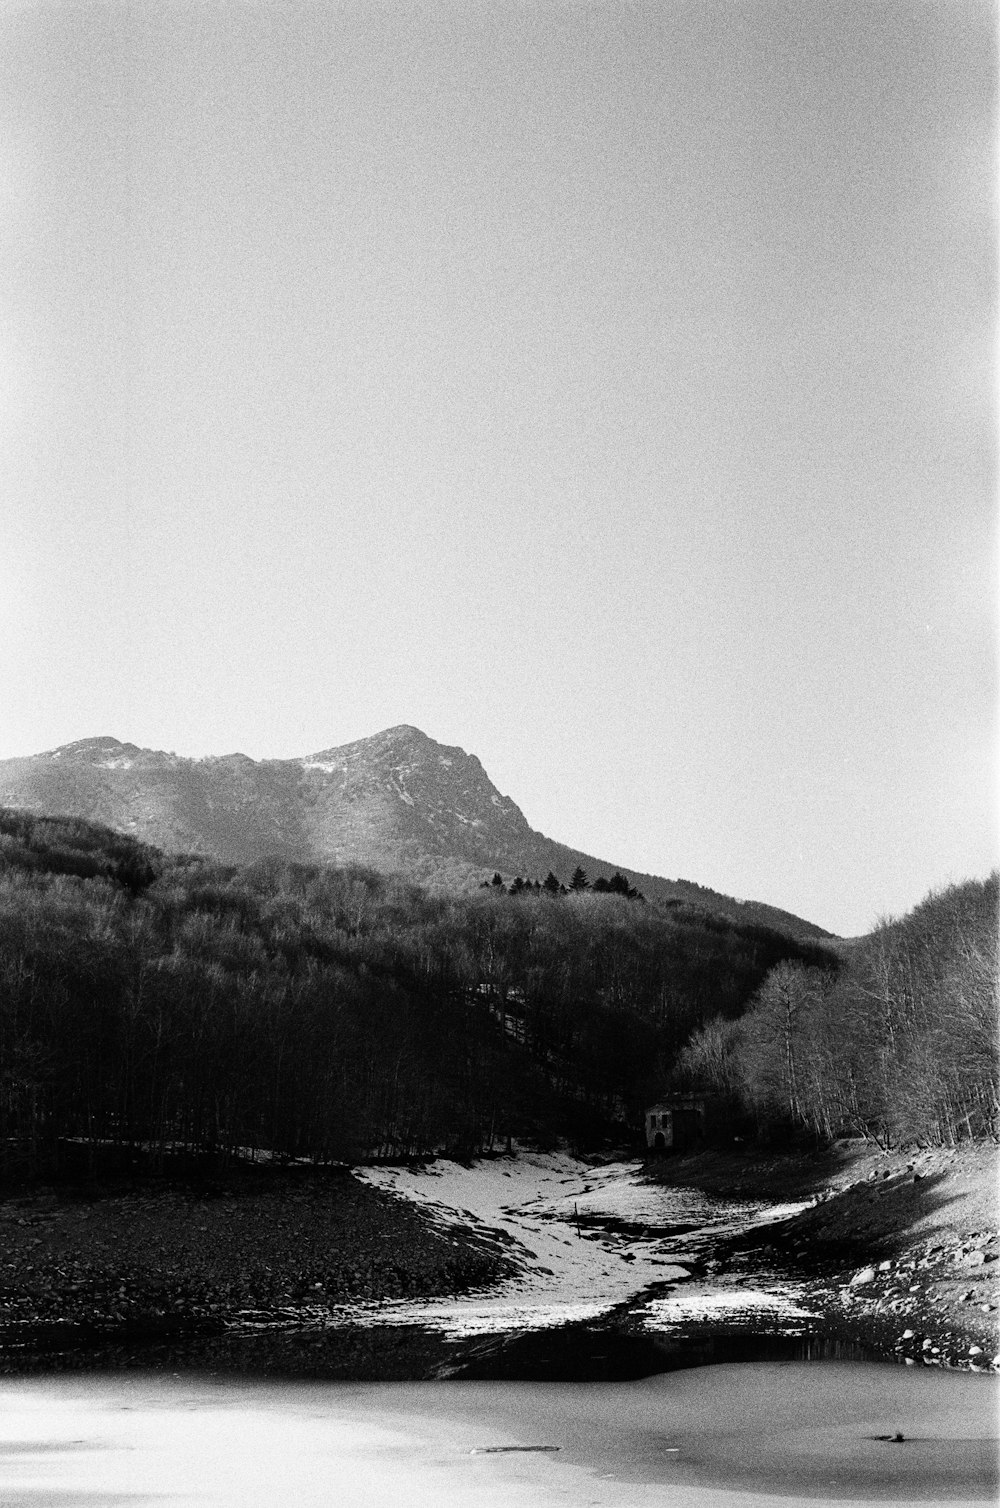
[[95, 1267], [894, 1254], [897, 1251]]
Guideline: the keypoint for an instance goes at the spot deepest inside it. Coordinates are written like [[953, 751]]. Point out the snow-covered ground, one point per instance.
[[701, 1301], [586, 1238]]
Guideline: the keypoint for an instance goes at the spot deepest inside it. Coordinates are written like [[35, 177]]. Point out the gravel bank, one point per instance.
[[155, 1262], [899, 1250]]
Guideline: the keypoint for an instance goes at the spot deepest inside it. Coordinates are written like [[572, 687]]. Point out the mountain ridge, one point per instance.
[[397, 801]]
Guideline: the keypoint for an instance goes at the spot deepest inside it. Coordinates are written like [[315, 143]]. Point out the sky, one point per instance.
[[607, 388]]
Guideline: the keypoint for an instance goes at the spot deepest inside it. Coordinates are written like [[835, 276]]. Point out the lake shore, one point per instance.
[[891, 1256], [95, 1266], [899, 1250]]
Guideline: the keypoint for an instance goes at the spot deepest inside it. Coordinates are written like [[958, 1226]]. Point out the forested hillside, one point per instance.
[[398, 802], [898, 1046], [150, 1002]]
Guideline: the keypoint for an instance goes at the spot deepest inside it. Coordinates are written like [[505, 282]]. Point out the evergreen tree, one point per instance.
[[579, 880]]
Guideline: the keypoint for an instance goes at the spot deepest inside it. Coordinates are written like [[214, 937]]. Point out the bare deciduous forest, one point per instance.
[[151, 1006], [898, 1045]]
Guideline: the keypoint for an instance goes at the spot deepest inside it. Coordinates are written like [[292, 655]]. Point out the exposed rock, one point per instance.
[[398, 801]]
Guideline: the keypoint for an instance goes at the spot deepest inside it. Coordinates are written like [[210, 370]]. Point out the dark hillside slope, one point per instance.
[[154, 1007], [898, 1045], [397, 802]]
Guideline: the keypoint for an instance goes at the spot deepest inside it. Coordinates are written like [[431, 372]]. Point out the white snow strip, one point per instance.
[[569, 1270], [697, 1302]]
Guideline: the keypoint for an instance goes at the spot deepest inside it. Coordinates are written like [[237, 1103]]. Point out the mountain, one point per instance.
[[397, 801]]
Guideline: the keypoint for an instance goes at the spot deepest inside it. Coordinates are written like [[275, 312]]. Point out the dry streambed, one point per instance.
[[590, 1239], [888, 1255], [892, 1255]]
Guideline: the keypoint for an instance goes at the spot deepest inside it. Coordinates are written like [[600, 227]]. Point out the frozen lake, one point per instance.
[[575, 1381], [737, 1436]]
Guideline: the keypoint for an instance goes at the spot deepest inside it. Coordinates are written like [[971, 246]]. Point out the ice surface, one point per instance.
[[739, 1436]]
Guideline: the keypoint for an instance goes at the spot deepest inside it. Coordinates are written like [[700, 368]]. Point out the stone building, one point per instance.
[[676, 1123]]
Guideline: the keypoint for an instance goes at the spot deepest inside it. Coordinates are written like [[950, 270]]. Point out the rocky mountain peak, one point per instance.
[[94, 751], [403, 743], [396, 801], [441, 784]]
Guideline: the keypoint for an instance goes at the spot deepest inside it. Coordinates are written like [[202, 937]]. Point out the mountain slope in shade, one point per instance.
[[397, 801]]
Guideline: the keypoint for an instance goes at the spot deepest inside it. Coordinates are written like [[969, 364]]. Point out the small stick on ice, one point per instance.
[[497, 1450]]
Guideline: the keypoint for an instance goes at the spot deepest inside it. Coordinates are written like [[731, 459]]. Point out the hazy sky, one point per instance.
[[606, 388]]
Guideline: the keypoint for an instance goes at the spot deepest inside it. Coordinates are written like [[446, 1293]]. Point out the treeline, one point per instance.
[[901, 1045], [149, 1004], [552, 885]]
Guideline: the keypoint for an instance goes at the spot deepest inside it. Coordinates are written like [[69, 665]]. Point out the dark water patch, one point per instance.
[[410, 1353], [47, 1337], [633, 1230], [612, 1350], [396, 1353], [587, 1353]]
